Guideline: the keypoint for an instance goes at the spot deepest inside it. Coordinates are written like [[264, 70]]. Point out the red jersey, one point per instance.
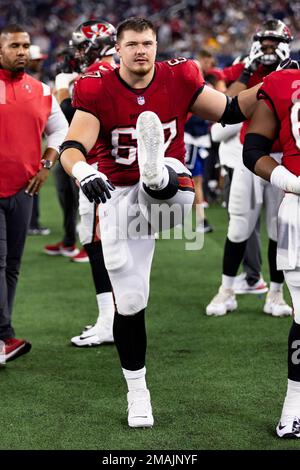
[[25, 105], [172, 91], [231, 75], [281, 92], [216, 72]]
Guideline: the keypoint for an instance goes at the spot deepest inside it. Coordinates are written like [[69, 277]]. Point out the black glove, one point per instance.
[[96, 188], [288, 64]]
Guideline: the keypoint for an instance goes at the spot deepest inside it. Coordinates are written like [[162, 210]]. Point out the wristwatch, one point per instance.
[[47, 164]]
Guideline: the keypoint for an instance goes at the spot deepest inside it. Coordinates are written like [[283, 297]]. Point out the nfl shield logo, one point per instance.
[[141, 100]]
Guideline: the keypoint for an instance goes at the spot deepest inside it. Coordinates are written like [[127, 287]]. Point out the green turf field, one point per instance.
[[216, 383]]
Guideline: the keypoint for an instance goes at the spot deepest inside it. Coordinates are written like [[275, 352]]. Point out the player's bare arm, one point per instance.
[[80, 139], [215, 106], [261, 133], [84, 129]]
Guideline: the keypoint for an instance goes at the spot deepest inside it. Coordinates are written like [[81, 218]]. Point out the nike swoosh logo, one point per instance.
[[281, 427], [86, 337]]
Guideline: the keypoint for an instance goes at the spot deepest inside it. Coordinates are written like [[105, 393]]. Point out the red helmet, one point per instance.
[[95, 38]]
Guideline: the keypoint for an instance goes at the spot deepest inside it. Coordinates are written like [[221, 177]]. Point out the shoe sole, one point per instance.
[[59, 253], [231, 309], [150, 132], [80, 260], [270, 312], [52, 253], [25, 348], [287, 435], [91, 345], [255, 292], [140, 425]]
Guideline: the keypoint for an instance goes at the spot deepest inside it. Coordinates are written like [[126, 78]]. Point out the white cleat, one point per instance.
[[150, 142], [288, 427], [222, 303], [139, 409], [93, 336], [275, 305]]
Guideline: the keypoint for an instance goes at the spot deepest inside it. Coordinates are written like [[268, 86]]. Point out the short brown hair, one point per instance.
[[13, 28], [135, 23], [203, 54]]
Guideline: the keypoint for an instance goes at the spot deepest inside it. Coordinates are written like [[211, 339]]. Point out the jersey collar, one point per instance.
[[11, 76]]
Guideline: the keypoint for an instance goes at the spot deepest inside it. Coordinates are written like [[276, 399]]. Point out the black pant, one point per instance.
[[35, 216], [15, 213], [68, 197]]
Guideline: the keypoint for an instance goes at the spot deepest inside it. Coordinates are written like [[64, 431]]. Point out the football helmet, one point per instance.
[[278, 32], [94, 39], [67, 60]]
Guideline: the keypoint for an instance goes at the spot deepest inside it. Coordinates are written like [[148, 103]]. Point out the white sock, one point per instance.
[[164, 181], [227, 281], [136, 379], [291, 406], [276, 287], [106, 308]]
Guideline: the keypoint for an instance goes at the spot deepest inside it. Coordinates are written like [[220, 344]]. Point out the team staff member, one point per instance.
[[27, 110]]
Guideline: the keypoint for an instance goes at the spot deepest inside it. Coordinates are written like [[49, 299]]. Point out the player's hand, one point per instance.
[[94, 184], [97, 187], [288, 64], [63, 80], [283, 51], [37, 181], [251, 62]]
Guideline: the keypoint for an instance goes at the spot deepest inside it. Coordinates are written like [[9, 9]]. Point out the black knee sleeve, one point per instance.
[[233, 256], [130, 339], [275, 275], [99, 271]]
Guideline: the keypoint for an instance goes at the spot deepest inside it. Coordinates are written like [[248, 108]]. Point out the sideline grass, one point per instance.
[[216, 383]]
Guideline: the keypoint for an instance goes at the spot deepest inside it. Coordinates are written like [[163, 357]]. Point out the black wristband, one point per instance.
[[68, 144], [245, 77]]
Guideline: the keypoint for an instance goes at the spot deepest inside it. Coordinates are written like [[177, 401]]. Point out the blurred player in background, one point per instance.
[[278, 112], [93, 49], [247, 194]]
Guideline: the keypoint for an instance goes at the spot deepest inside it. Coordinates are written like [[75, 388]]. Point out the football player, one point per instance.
[[277, 112], [93, 43], [270, 46], [136, 114]]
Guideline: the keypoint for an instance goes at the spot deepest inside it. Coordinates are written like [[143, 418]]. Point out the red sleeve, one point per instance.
[[232, 73], [86, 94], [193, 80], [267, 92], [218, 73]]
